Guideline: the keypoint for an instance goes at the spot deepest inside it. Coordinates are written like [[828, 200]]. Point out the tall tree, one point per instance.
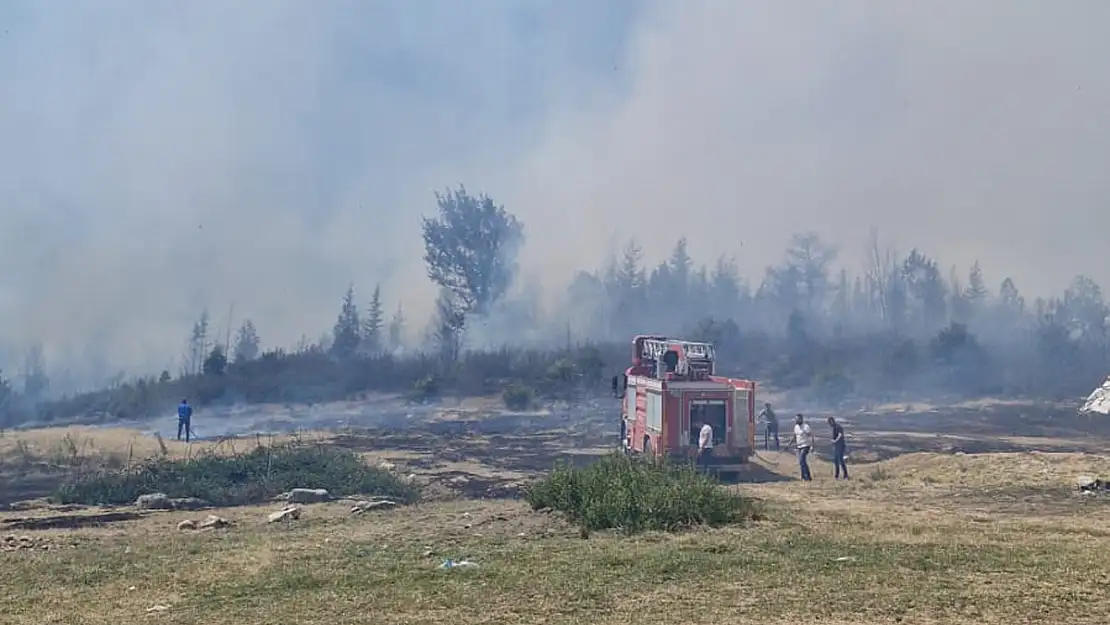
[[374, 323], [470, 249], [246, 342], [215, 363], [1011, 305], [6, 394], [449, 324], [35, 381], [810, 258], [347, 333], [397, 328], [926, 286], [198, 344], [976, 291]]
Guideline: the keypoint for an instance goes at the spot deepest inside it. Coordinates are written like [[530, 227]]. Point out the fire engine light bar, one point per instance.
[[654, 348]]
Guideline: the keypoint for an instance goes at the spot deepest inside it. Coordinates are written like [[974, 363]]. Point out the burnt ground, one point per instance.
[[495, 455], [490, 453]]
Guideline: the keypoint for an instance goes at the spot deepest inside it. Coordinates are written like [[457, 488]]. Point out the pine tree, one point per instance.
[[976, 291], [246, 342], [373, 323], [348, 330], [397, 328], [198, 343]]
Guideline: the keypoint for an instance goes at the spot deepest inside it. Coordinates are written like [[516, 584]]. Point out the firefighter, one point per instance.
[[770, 427], [802, 441], [184, 419], [840, 448], [705, 446]]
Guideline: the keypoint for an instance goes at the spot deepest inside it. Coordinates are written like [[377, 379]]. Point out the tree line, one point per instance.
[[904, 325]]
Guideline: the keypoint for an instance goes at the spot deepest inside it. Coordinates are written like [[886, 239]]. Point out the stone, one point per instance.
[[154, 501], [308, 495], [366, 506], [189, 503], [187, 524], [286, 514], [213, 521]]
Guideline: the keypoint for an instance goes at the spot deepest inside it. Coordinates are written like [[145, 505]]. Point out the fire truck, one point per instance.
[[670, 390]]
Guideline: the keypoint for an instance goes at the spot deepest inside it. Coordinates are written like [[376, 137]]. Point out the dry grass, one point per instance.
[[110, 446], [923, 538]]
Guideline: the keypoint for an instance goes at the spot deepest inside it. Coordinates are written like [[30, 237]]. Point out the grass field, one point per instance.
[[921, 538]]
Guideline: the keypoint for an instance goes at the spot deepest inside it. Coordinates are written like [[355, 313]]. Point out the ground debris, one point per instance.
[[289, 513], [211, 522], [305, 495], [69, 521], [365, 506], [162, 501], [21, 543], [1091, 485]]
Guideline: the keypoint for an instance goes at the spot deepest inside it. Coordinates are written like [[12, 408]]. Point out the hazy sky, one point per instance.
[[158, 157]]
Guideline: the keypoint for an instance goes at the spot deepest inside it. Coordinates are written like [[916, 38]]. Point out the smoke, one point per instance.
[[163, 157], [974, 131]]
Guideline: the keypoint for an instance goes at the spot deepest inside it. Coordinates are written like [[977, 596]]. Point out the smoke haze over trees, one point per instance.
[[837, 170]]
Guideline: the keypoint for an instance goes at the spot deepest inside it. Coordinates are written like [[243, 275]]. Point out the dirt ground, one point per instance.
[[475, 449], [960, 514]]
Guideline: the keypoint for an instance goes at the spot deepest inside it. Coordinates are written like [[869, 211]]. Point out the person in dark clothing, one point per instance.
[[840, 448], [770, 427], [184, 419]]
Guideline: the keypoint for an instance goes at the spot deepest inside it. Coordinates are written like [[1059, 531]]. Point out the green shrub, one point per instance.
[[239, 479], [634, 495], [518, 397], [424, 389]]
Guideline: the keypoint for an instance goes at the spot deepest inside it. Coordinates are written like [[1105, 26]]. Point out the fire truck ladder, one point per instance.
[[654, 348]]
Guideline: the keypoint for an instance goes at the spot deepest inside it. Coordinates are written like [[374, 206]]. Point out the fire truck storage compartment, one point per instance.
[[743, 428], [711, 411]]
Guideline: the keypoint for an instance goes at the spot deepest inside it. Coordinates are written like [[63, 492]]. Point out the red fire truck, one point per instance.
[[670, 390]]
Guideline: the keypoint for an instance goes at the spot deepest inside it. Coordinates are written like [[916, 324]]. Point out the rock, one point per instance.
[[189, 503], [385, 465], [1087, 483], [187, 524], [365, 506], [289, 513], [308, 495], [213, 521], [154, 501]]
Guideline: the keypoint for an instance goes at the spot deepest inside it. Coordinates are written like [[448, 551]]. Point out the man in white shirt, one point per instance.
[[705, 446], [803, 442]]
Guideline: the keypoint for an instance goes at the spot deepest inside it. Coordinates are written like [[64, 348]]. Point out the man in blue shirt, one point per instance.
[[184, 419]]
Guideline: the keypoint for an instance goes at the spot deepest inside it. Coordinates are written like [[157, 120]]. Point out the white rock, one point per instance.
[[213, 521], [308, 495], [365, 506], [290, 513]]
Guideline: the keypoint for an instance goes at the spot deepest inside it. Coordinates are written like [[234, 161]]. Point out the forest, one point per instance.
[[904, 327]]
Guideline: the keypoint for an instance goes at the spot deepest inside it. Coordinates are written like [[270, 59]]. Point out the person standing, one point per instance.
[[705, 446], [840, 448], [770, 427], [803, 443], [184, 419]]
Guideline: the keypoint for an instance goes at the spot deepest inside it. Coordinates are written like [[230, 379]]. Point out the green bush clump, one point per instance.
[[239, 479], [518, 397], [635, 495]]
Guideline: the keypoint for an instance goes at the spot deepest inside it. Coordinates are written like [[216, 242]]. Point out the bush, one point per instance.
[[634, 495], [239, 479], [518, 398]]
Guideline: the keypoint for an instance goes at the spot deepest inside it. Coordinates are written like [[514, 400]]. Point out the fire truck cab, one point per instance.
[[670, 391]]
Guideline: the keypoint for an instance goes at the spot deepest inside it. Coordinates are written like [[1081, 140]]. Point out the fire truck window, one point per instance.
[[713, 412]]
